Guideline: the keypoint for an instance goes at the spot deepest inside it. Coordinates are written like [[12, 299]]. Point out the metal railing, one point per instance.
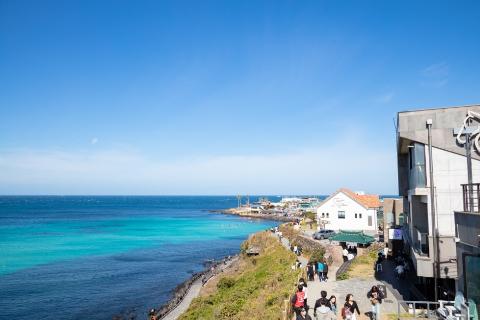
[[471, 196], [417, 309], [430, 310], [421, 242]]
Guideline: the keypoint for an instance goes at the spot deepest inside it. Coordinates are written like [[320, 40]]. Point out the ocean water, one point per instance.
[[92, 258]]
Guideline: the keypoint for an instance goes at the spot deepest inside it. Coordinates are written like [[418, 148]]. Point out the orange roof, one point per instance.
[[368, 200]]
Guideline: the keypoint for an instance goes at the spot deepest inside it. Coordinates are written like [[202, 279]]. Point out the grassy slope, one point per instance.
[[256, 292]]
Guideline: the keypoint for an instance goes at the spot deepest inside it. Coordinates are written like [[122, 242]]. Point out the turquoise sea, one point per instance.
[[84, 257]]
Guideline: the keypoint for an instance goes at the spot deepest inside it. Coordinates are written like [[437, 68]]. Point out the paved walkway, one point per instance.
[[194, 292], [183, 306], [357, 287]]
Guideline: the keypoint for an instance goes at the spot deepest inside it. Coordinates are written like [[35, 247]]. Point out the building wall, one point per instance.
[[342, 202], [449, 172]]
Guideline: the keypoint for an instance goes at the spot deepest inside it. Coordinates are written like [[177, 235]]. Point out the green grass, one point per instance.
[[363, 266], [257, 292]]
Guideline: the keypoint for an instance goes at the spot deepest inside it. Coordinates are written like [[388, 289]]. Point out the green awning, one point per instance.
[[352, 236]]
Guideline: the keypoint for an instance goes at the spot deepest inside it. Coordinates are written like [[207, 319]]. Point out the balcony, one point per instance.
[[419, 241], [471, 196]]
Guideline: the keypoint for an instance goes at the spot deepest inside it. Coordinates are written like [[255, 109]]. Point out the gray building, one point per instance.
[[450, 196], [393, 217]]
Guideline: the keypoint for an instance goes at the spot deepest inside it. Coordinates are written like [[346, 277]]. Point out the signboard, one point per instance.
[[351, 244], [395, 234]]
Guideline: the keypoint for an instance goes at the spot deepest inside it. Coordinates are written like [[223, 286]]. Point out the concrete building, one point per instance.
[[414, 181], [347, 210], [393, 218]]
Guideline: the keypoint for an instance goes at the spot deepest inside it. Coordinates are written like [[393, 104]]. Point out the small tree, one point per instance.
[[317, 255]]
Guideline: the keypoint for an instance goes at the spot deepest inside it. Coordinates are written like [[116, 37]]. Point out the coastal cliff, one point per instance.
[[253, 288]]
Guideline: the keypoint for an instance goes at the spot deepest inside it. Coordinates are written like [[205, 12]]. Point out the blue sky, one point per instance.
[[222, 97]]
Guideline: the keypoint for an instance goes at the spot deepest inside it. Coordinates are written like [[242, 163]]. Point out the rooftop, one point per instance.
[[368, 200]]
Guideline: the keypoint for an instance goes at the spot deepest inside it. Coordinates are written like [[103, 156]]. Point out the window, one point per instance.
[[328, 215], [370, 221], [341, 214], [355, 216], [323, 214], [401, 219], [360, 215], [417, 175]]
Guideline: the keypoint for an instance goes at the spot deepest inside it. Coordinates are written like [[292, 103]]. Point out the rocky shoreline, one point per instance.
[[262, 216], [212, 269]]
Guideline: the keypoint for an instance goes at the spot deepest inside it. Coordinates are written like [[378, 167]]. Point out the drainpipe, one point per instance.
[[432, 210]]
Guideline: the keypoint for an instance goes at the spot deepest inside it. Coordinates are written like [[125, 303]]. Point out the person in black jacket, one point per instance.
[[322, 302], [303, 315], [350, 308], [310, 271], [325, 270]]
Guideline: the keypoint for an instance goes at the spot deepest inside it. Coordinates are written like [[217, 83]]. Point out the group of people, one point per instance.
[[318, 268], [296, 249], [349, 252], [326, 308]]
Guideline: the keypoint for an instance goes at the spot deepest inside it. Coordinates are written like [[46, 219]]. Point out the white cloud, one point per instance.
[[349, 163], [384, 98], [94, 141], [435, 75]]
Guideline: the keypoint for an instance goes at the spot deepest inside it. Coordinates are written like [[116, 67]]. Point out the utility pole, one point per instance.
[[436, 268]]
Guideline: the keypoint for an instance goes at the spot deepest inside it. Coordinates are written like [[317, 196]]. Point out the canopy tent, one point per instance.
[[352, 236]]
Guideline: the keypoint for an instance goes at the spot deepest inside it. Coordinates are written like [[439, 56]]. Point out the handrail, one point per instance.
[[471, 197], [422, 312], [428, 309]]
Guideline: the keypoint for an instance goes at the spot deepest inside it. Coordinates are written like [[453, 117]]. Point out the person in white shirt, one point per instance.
[[345, 254]]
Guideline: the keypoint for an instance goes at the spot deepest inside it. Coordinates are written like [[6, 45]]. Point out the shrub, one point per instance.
[[225, 283], [343, 276], [317, 255]]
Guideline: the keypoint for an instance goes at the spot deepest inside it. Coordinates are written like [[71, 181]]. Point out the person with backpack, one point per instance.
[[298, 300], [304, 289], [349, 308], [376, 297], [324, 307]]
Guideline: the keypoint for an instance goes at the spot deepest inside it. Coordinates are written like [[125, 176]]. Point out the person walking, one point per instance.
[[324, 308], [333, 304], [298, 300], [304, 289], [385, 251], [310, 271], [376, 298], [345, 254], [349, 308], [303, 315], [320, 268], [325, 270]]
